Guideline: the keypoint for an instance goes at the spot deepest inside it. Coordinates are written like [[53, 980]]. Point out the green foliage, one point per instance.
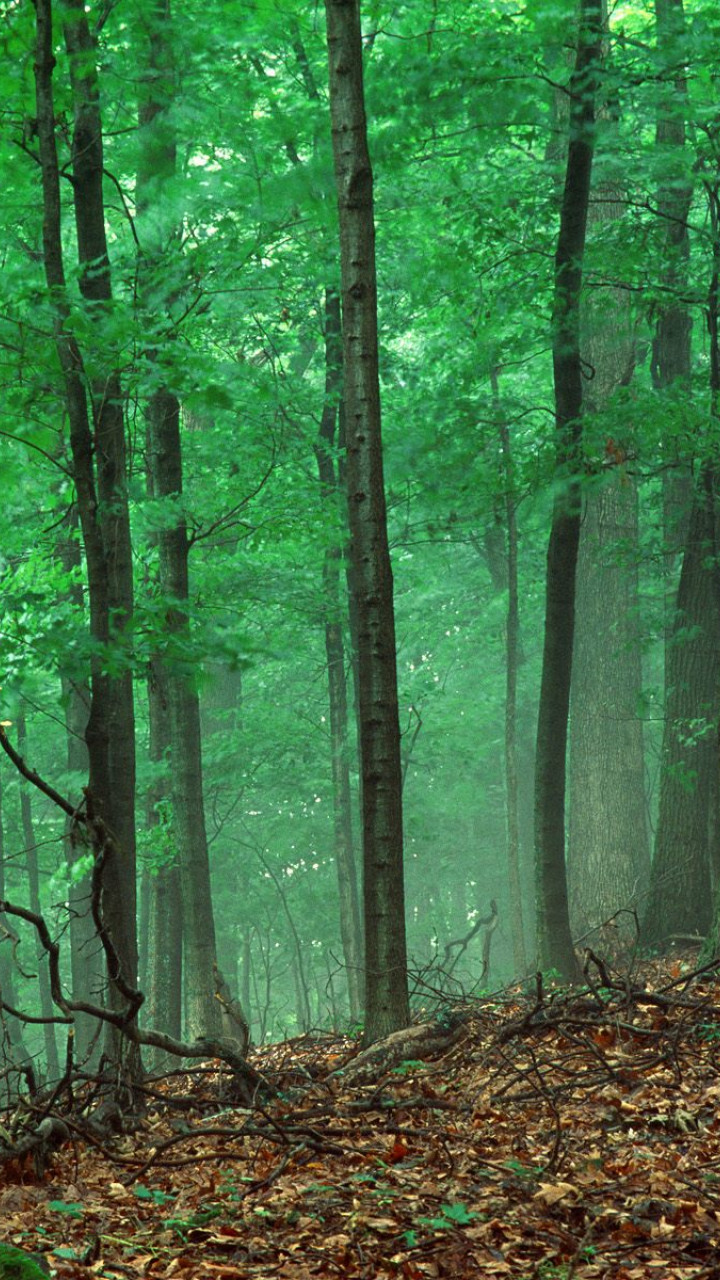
[[464, 135], [15, 1264], [451, 1215], [70, 1208]]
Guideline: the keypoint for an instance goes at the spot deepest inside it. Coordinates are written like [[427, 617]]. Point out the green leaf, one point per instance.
[[71, 1209]]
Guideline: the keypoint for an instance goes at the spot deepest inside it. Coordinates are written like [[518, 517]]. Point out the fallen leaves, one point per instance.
[[545, 1146]]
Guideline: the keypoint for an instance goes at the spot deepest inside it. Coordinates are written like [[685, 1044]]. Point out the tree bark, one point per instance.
[[555, 949], [386, 991], [608, 843], [165, 459], [165, 934], [12, 1047], [97, 440], [335, 653], [512, 659], [686, 842], [86, 959], [33, 874]]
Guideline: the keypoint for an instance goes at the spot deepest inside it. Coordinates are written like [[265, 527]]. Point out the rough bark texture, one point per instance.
[[686, 843], [608, 846], [335, 653], [680, 899], [97, 440], [386, 994], [555, 949]]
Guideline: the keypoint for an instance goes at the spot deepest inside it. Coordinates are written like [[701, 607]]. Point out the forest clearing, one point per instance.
[[563, 1134]]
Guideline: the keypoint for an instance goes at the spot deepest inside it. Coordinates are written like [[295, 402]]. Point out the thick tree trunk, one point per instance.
[[335, 652], [555, 949], [686, 843], [97, 440], [680, 899], [608, 845], [386, 992]]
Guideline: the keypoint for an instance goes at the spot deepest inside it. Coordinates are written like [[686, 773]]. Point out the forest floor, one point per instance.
[[553, 1135]]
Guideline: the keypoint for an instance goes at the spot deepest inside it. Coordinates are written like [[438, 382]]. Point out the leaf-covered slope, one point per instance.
[[572, 1135]]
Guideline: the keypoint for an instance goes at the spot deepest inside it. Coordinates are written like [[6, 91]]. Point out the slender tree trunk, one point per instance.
[[86, 957], [386, 991], [165, 934], [553, 926], [12, 1047], [335, 653], [97, 440], [183, 705], [512, 657], [671, 352], [47, 1008]]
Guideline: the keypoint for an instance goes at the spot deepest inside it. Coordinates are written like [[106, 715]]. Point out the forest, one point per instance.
[[359, 572]]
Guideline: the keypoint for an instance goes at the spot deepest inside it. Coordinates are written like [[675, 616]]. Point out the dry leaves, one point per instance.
[[582, 1145]]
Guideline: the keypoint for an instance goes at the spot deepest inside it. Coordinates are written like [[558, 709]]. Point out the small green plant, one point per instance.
[[553, 1271], [709, 1032], [522, 1170], [409, 1066], [453, 1215], [71, 1209], [153, 1194], [199, 1219]]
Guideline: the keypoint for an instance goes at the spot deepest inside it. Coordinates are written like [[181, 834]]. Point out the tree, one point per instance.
[[187, 822], [554, 939], [386, 992], [335, 651], [94, 405], [608, 847]]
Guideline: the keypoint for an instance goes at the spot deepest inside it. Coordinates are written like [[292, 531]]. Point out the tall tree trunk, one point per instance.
[[555, 949], [335, 653], [671, 353], [608, 844], [47, 1008], [512, 659], [386, 990], [157, 167], [86, 958], [165, 933], [680, 898], [12, 1047], [97, 440]]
